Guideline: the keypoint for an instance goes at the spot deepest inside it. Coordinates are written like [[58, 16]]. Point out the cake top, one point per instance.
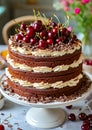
[[43, 36]]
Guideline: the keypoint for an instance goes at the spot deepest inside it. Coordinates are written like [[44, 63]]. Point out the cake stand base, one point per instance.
[[45, 117]]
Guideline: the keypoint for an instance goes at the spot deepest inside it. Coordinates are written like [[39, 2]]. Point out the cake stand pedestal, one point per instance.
[[42, 115]]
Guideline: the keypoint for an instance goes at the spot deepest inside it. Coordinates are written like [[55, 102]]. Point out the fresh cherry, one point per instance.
[[82, 116], [38, 26], [43, 34], [23, 26], [72, 117], [86, 122], [26, 39], [30, 32], [2, 127], [18, 37], [85, 127], [50, 35], [90, 117], [50, 41], [33, 41], [42, 44], [64, 31]]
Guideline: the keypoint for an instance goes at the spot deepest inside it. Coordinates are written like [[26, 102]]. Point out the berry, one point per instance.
[[50, 41], [38, 26], [72, 117], [55, 30], [82, 116], [69, 107], [50, 35], [43, 34], [33, 40], [85, 127], [86, 62], [26, 39], [59, 40], [18, 37], [90, 117], [86, 122], [30, 32], [42, 44], [64, 30], [23, 26], [2, 127], [90, 62]]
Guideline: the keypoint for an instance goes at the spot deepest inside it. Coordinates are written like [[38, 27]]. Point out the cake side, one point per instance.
[[52, 66]]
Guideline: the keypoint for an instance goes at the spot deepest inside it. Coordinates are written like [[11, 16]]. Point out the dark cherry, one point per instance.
[[43, 34], [90, 117], [86, 122], [23, 26], [50, 35], [69, 107], [26, 39], [72, 117], [38, 26], [33, 41], [82, 116], [59, 40], [85, 127], [2, 127], [42, 44], [55, 30], [64, 31], [30, 32], [50, 41], [18, 37]]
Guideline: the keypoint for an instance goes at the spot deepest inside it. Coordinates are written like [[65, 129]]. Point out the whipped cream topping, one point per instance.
[[42, 85], [43, 69], [45, 52]]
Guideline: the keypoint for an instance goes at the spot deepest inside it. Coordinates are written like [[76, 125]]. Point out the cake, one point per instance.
[[44, 60]]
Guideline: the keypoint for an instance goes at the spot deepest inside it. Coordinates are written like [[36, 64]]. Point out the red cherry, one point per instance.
[[90, 62], [18, 37], [30, 32], [59, 40], [72, 117], [55, 30], [86, 122], [50, 35], [86, 62], [43, 34], [64, 30], [26, 39], [85, 127], [42, 44], [82, 116], [2, 127], [69, 107], [23, 26], [90, 117], [50, 41], [38, 26], [33, 40]]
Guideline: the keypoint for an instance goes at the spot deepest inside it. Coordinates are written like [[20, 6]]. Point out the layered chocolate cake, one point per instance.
[[44, 60]]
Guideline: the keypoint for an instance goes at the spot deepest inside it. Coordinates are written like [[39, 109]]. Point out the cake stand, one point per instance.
[[44, 115]]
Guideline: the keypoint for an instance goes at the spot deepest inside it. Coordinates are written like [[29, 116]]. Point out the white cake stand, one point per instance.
[[42, 115]]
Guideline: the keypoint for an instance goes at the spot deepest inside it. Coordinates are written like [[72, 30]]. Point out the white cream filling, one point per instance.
[[42, 85], [45, 52], [43, 69]]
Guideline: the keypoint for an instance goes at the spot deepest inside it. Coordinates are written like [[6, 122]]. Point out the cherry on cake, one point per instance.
[[45, 60]]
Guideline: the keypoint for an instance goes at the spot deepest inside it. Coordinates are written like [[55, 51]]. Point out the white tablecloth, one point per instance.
[[18, 113]]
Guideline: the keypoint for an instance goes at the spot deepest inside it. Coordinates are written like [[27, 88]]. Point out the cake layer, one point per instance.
[[45, 61], [44, 69], [52, 92], [47, 79], [28, 74]]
